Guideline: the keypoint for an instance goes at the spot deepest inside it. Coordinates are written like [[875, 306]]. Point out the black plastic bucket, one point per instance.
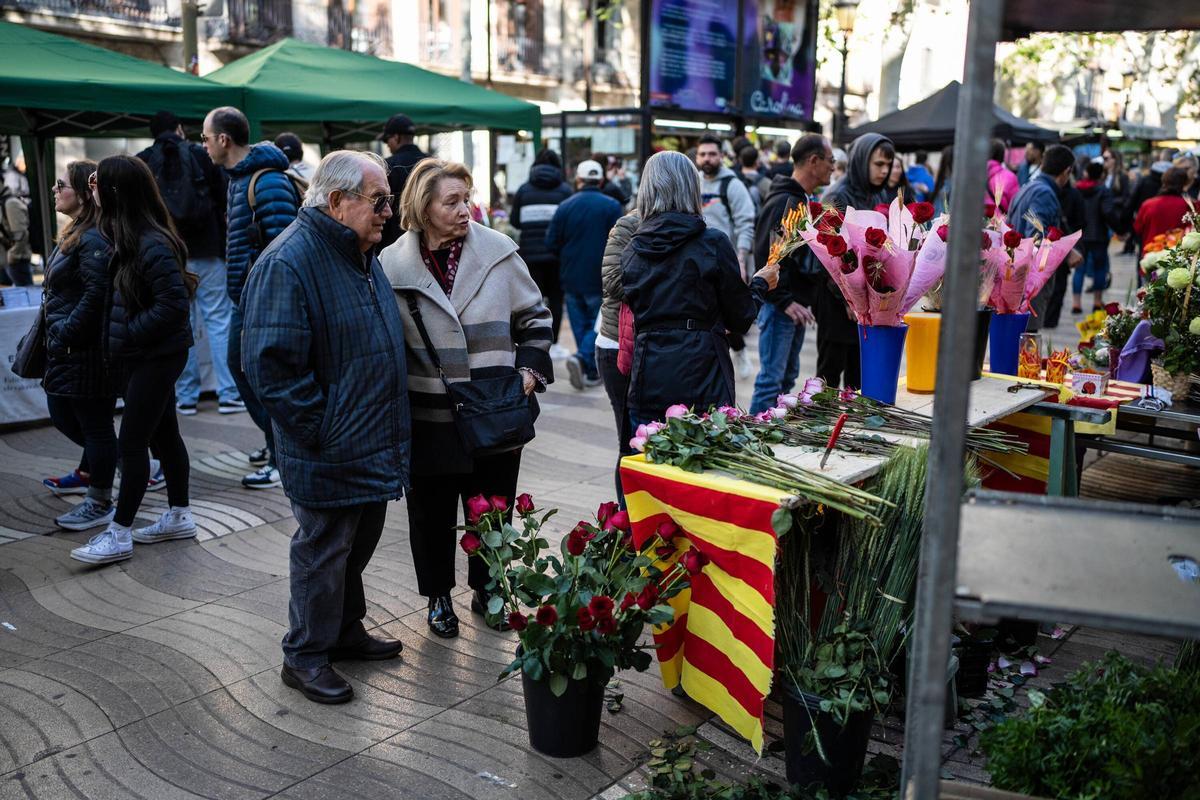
[[974, 657], [845, 748], [566, 726]]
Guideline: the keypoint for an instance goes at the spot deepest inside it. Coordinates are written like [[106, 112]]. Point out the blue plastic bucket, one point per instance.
[[880, 348]]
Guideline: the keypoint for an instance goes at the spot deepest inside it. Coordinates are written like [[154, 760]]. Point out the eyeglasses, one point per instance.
[[204, 137], [60, 185], [380, 201]]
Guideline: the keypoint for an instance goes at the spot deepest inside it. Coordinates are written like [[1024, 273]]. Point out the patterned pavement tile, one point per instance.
[[43, 717], [27, 630], [108, 599]]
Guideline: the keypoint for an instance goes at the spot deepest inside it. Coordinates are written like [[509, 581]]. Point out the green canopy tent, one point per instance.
[[339, 96], [55, 86]]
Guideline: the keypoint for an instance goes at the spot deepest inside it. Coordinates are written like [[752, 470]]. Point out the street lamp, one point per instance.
[[1127, 82], [844, 10]]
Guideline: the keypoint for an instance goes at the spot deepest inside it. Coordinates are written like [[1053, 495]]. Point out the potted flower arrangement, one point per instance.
[[1172, 304], [579, 611]]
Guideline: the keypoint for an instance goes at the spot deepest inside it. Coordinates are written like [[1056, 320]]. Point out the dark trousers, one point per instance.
[[433, 503], [546, 277], [327, 557], [838, 363], [616, 386], [149, 421], [88, 422], [257, 411], [1057, 286]]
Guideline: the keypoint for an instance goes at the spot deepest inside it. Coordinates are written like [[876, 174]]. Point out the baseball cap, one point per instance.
[[398, 124], [589, 171]]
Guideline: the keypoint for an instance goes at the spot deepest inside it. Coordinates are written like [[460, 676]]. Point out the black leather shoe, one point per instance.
[[321, 685], [369, 649], [442, 619], [479, 603]]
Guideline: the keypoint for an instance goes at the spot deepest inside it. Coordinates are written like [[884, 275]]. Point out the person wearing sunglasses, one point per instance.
[[324, 351]]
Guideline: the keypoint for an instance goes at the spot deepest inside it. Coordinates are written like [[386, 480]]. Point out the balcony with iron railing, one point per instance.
[[137, 12], [253, 22]]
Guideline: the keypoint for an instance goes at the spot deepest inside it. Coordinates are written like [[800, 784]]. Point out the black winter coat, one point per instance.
[[159, 324], [682, 282], [400, 164], [76, 291], [1100, 213], [533, 207]]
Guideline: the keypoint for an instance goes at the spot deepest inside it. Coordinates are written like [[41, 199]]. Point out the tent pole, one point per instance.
[[943, 486], [39, 191]]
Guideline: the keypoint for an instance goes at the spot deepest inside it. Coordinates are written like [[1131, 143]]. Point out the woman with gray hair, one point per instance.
[[483, 318], [682, 281]]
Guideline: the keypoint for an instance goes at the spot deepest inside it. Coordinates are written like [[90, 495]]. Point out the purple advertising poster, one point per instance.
[[780, 47], [693, 52]]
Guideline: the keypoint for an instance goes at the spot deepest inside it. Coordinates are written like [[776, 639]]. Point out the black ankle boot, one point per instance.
[[442, 619]]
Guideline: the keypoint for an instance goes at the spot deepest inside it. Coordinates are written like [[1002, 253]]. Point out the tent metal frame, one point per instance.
[[938, 570]]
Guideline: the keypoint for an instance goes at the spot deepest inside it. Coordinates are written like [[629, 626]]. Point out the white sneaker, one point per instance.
[[115, 544], [558, 352], [743, 364], [264, 478], [175, 523], [91, 513]]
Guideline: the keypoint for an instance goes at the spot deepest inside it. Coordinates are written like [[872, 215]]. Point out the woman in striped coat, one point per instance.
[[484, 316]]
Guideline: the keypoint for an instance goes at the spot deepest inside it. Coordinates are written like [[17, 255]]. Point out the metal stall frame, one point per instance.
[[938, 573]]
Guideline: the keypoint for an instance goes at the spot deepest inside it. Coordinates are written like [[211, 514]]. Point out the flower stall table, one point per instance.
[[1179, 422], [721, 646]]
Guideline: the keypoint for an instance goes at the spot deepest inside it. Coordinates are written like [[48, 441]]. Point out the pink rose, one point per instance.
[[778, 412], [676, 411], [814, 386], [638, 443], [788, 400]]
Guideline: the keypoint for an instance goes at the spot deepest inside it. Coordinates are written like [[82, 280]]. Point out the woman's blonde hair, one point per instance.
[[422, 184]]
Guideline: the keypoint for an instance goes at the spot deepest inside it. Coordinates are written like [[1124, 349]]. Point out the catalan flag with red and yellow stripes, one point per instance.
[[721, 644]]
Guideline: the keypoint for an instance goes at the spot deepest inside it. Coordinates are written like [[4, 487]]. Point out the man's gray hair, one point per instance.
[[341, 170], [669, 182]]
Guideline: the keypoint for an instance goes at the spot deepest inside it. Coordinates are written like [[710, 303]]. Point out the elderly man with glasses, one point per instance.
[[323, 349]]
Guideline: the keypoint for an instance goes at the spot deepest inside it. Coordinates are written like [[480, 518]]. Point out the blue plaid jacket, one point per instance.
[[323, 349]]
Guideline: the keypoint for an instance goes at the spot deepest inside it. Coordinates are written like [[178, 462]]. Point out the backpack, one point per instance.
[[181, 182], [299, 188]]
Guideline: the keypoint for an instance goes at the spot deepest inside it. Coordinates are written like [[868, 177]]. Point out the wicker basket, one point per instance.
[[1177, 385]]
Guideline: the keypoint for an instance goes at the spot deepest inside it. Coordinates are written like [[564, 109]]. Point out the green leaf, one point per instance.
[[781, 521], [495, 603], [558, 684], [1036, 698], [834, 671], [493, 539], [580, 671]]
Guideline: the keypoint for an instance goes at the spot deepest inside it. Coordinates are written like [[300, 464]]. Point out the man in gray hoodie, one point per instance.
[[728, 208]]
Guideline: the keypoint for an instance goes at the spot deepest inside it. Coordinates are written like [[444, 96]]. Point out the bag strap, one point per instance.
[[413, 309], [724, 194]]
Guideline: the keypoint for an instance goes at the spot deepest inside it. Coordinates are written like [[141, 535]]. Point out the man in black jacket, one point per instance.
[[533, 207], [398, 136], [782, 320]]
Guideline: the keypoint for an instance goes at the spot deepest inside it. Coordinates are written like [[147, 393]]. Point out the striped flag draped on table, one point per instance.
[[721, 645]]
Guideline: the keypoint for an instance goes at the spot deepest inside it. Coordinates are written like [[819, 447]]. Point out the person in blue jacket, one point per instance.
[[249, 230], [577, 234]]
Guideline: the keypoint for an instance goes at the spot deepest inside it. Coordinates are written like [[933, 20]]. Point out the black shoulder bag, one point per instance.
[[30, 358], [492, 415]]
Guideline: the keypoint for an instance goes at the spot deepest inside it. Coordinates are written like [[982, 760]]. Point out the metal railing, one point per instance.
[[258, 21], [149, 12]]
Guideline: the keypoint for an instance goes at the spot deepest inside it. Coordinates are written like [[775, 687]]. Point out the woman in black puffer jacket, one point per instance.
[[147, 336], [79, 392]]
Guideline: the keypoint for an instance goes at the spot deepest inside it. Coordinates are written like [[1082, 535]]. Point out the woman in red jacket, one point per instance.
[[1166, 210]]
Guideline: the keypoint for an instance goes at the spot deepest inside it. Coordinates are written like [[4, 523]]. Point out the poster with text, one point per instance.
[[693, 52], [780, 48]]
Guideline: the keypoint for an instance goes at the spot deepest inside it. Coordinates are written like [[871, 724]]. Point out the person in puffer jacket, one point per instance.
[[227, 139], [608, 342], [147, 335], [79, 394], [533, 207]]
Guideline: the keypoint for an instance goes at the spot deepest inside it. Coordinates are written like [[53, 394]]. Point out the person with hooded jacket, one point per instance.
[[533, 207], [869, 160], [248, 232], [683, 283]]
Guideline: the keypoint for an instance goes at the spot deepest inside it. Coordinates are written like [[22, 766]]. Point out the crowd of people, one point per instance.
[[348, 308]]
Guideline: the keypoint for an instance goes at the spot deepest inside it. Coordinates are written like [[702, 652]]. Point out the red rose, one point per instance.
[[601, 606], [834, 216], [517, 621], [876, 237], [1012, 239], [619, 521], [477, 506], [585, 619], [584, 531], [606, 626], [499, 503], [921, 212], [989, 210], [1088, 345], [1141, 294], [836, 246], [629, 602], [470, 542], [525, 504], [693, 561], [1053, 234], [546, 616], [648, 597], [815, 210], [824, 238], [668, 530], [1112, 309], [943, 232], [575, 544], [986, 244], [665, 551], [605, 511], [882, 208]]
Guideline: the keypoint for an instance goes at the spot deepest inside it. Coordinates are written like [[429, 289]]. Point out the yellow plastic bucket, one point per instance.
[[920, 350]]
